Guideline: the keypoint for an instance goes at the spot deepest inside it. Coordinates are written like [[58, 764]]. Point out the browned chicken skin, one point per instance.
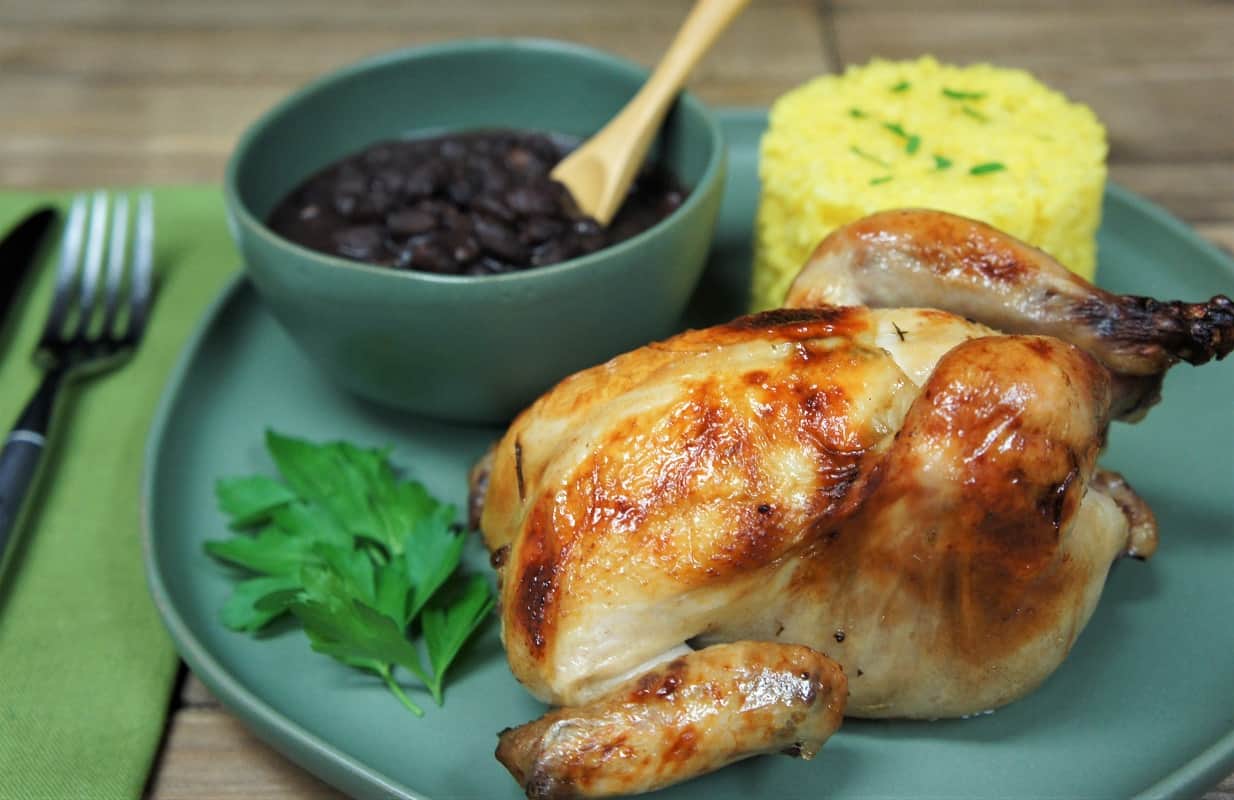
[[936, 260], [907, 492], [695, 714]]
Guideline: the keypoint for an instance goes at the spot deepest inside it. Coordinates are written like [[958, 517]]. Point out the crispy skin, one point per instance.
[[692, 715], [785, 478], [655, 487], [976, 556], [930, 258]]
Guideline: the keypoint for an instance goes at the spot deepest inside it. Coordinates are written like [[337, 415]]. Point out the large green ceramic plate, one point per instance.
[[1144, 704]]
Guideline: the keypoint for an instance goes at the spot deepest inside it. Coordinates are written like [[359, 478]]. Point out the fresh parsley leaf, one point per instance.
[[902, 86], [271, 552], [447, 628], [941, 162], [393, 589], [250, 499], [311, 522], [257, 601], [355, 554], [431, 554], [352, 569], [356, 634], [349, 482]]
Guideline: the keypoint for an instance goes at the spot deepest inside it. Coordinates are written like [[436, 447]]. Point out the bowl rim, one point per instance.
[[711, 177]]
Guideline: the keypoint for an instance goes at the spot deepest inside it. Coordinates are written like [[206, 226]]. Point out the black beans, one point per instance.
[[476, 203], [533, 199], [360, 242]]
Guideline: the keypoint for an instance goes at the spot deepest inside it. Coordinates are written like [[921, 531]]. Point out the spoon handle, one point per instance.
[[702, 26], [600, 172]]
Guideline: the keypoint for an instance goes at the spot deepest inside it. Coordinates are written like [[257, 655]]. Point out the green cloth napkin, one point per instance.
[[85, 664]]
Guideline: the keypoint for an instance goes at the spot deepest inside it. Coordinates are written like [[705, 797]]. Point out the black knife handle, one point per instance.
[[23, 450], [19, 462]]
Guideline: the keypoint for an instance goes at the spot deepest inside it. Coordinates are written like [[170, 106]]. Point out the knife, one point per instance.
[[17, 254]]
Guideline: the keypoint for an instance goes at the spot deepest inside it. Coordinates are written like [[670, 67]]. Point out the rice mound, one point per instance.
[[989, 143]]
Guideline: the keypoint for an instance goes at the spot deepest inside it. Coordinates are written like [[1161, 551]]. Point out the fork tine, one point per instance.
[[70, 252], [143, 266], [115, 261], [96, 239]]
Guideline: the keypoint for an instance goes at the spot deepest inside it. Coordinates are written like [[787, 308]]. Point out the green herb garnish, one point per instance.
[[974, 113], [958, 95], [941, 162], [895, 128], [911, 141], [902, 86], [868, 157], [857, 113], [356, 555], [987, 168], [877, 181]]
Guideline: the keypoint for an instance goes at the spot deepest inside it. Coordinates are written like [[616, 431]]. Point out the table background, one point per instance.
[[132, 92]]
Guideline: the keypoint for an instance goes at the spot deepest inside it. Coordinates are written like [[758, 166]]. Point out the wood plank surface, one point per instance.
[[104, 92]]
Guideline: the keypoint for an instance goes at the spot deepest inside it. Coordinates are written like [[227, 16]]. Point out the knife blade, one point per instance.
[[17, 254]]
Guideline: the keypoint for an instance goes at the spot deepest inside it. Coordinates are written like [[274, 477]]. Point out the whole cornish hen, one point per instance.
[[693, 538]]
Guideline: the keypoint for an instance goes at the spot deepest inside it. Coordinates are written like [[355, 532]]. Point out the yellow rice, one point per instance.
[[911, 134]]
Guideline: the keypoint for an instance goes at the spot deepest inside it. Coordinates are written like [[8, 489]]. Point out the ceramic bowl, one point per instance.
[[471, 349]]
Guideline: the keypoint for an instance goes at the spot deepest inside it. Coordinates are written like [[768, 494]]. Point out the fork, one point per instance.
[[88, 331]]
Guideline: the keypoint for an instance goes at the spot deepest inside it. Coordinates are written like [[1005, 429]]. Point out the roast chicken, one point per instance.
[[882, 500]]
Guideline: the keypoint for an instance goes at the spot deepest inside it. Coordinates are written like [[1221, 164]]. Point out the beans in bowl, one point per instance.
[[469, 203]]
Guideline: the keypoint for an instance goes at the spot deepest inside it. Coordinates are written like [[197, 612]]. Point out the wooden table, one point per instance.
[[156, 91]]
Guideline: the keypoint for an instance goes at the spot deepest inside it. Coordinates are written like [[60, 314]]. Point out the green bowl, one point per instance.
[[472, 349]]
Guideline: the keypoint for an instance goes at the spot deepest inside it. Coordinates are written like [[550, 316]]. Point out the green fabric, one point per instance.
[[86, 667]]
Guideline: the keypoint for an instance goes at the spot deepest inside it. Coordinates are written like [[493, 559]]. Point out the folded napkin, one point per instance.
[[85, 665]]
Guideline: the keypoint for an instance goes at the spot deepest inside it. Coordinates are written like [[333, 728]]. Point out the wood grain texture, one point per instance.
[[134, 92], [210, 755]]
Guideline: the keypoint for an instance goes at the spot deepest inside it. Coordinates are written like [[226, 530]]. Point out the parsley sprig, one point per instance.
[[358, 556]]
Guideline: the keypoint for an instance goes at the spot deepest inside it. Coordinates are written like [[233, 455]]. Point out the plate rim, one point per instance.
[[1192, 777], [260, 715]]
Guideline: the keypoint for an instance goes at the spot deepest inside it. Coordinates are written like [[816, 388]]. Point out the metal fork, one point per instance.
[[88, 330]]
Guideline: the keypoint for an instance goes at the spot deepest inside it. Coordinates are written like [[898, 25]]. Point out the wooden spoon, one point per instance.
[[599, 173]]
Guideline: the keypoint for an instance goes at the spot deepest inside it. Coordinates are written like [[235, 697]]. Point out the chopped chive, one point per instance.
[[896, 129], [877, 181], [941, 162], [987, 168], [958, 95], [902, 86], [974, 113], [857, 113], [857, 151], [913, 143]]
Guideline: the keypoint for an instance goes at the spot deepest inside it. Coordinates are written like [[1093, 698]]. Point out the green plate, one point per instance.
[[1144, 704]]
